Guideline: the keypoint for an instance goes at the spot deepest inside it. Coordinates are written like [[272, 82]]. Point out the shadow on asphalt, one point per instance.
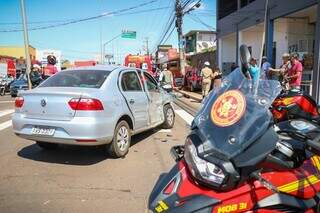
[[75, 155]]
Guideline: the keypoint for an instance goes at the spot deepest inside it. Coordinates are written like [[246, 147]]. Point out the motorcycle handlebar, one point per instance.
[[314, 145]]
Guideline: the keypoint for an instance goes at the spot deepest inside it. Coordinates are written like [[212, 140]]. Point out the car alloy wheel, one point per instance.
[[122, 138], [170, 116]]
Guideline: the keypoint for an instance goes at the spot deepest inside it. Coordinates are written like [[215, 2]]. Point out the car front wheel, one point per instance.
[[120, 144], [169, 117]]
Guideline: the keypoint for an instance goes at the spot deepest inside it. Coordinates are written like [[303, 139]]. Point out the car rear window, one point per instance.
[[77, 78]]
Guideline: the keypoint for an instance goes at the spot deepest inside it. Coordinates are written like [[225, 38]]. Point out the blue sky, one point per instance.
[[81, 41]]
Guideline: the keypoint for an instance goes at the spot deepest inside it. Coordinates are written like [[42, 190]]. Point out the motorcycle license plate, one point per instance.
[[42, 131]]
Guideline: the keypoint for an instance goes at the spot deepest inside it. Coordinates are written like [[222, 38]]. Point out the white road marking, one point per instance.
[[3, 102], [185, 116], [6, 112], [165, 131], [5, 125]]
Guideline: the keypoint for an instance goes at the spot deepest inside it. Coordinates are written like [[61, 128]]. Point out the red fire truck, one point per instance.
[[139, 61], [172, 60], [10, 64]]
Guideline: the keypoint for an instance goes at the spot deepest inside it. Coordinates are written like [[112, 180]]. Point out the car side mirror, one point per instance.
[[245, 55]]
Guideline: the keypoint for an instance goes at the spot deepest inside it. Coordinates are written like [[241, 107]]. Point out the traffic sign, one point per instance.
[[129, 34]]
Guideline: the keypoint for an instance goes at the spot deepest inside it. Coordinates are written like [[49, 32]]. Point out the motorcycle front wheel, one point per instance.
[[2, 91]]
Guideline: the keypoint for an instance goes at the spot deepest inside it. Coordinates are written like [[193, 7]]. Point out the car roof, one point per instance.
[[100, 67]]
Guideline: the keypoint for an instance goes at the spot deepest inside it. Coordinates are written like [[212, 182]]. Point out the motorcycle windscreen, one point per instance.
[[236, 115]]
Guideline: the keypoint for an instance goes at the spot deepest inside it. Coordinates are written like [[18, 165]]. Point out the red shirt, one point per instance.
[[296, 69], [50, 70]]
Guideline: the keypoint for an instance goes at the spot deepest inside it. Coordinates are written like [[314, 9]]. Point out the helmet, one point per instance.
[[286, 55], [207, 63], [51, 59], [36, 66]]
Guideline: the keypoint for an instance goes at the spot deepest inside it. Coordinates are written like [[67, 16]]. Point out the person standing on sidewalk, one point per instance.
[[254, 70], [265, 68], [217, 76], [295, 72], [282, 71], [207, 76]]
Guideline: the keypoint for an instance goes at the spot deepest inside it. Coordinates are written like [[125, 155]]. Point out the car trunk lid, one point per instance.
[[51, 103]]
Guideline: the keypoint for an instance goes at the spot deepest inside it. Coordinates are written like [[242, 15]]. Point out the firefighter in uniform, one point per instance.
[[207, 76], [166, 78]]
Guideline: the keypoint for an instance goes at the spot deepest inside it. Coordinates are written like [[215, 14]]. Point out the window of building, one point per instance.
[[244, 3], [226, 7]]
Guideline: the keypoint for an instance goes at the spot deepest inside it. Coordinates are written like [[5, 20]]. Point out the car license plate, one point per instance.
[[42, 131]]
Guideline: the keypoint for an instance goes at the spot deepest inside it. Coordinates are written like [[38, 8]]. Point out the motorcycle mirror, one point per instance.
[[177, 152], [245, 55]]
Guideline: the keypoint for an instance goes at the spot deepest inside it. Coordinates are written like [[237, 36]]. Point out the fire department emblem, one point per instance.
[[228, 108]]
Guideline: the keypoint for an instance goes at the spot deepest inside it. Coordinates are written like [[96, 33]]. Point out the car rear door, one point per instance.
[[136, 98]]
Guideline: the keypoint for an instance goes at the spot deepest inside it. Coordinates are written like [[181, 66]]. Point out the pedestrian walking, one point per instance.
[[217, 76], [166, 79], [295, 72], [265, 68], [207, 76]]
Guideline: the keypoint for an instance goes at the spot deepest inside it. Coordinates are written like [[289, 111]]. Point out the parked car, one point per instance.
[[97, 105], [19, 84]]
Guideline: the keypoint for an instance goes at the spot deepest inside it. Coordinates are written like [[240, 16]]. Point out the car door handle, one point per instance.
[[131, 101]]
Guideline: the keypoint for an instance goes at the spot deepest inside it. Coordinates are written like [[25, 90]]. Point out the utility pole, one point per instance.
[[147, 45], [179, 21], [26, 42]]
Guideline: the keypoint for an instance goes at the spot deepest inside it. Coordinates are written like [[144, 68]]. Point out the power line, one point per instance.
[[198, 20], [83, 19]]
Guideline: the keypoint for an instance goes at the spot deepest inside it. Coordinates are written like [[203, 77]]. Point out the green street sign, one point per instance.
[[129, 34]]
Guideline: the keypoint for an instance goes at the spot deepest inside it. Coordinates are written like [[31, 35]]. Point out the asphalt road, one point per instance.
[[82, 179]]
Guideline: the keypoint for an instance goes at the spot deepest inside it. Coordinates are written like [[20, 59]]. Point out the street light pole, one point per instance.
[[26, 42], [104, 45]]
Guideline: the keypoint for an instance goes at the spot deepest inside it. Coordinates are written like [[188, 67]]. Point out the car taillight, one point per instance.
[[19, 102], [85, 104]]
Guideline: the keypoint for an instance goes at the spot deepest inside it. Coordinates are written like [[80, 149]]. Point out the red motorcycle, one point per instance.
[[294, 104], [235, 161]]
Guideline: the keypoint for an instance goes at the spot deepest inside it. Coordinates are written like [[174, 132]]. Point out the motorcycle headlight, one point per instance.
[[202, 170]]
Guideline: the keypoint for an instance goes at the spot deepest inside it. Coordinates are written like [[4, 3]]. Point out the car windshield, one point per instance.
[[77, 78], [236, 115]]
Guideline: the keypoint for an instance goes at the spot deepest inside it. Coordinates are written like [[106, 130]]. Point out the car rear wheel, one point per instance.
[[45, 145], [169, 117], [120, 144]]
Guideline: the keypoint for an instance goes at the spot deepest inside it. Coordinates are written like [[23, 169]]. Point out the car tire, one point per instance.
[[120, 144], [48, 146], [169, 117], [13, 96]]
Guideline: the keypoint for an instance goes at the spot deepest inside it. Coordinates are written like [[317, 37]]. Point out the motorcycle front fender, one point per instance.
[[165, 198]]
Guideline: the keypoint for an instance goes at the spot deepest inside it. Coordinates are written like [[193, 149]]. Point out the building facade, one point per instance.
[[291, 26], [17, 52], [199, 41]]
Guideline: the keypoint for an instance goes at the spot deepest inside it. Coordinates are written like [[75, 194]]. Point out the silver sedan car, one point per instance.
[[92, 106]]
